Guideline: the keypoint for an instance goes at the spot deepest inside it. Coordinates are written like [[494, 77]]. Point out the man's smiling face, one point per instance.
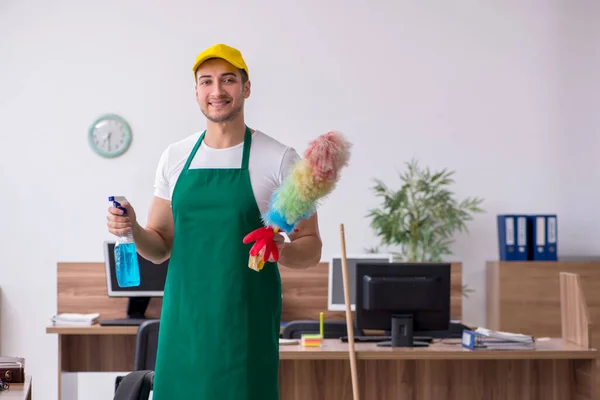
[[220, 90]]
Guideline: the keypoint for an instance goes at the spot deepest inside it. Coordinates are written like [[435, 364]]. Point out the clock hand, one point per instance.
[[105, 138]]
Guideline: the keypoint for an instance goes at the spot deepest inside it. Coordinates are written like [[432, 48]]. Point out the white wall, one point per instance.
[[578, 122], [504, 94]]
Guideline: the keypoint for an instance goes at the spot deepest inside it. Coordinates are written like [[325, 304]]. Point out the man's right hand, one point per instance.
[[119, 224]]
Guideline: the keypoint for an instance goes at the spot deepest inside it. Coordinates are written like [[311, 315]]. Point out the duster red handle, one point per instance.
[[263, 238]]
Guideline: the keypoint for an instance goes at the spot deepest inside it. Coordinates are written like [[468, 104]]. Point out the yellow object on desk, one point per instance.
[[311, 340], [321, 324]]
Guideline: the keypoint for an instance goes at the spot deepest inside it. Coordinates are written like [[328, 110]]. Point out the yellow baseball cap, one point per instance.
[[227, 53]]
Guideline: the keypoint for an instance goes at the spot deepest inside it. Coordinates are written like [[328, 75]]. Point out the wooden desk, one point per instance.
[[444, 370], [95, 348], [564, 368], [559, 368], [81, 288], [18, 391], [556, 369]]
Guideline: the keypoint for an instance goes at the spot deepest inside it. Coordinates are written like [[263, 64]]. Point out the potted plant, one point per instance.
[[422, 216]]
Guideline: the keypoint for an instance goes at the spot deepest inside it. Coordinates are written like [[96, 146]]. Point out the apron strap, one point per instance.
[[247, 144], [245, 156], [193, 153]]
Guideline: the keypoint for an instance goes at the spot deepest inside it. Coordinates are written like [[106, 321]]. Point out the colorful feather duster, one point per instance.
[[311, 179]]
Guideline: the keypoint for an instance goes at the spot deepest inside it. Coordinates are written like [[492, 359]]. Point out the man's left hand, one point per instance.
[[279, 242]]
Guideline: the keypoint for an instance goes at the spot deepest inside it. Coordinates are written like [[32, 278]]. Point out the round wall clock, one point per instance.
[[110, 135]]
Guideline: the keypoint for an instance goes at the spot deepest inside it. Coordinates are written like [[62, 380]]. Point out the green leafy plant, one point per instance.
[[422, 217]]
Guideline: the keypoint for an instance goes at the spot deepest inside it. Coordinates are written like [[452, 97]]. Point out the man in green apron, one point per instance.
[[220, 321]]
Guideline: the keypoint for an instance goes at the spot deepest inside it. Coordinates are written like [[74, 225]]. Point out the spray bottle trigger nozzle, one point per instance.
[[118, 205]]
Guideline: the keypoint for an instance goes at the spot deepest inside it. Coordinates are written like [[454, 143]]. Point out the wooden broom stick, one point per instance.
[[349, 322]]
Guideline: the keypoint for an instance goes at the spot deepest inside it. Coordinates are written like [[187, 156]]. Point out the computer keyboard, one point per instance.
[[378, 339], [367, 339]]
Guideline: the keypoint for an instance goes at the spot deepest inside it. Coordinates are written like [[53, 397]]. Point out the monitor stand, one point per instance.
[[136, 310], [402, 334]]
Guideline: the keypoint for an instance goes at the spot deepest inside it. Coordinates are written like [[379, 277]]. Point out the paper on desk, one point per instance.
[[288, 341], [73, 319], [511, 337]]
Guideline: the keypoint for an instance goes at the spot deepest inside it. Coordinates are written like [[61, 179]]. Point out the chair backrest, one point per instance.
[[146, 345], [136, 385], [331, 329]]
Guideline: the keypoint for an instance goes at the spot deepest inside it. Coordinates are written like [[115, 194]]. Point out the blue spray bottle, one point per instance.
[[126, 258]]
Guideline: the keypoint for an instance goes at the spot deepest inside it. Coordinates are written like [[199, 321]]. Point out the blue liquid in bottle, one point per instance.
[[127, 267]]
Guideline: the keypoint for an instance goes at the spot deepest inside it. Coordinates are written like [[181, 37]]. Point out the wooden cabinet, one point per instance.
[[525, 296]]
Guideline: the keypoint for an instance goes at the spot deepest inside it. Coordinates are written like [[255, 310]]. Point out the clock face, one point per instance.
[[110, 135]]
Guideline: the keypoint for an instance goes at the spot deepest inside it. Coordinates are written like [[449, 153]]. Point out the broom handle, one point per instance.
[[349, 322]]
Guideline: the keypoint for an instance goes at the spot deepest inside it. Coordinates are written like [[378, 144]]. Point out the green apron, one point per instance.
[[220, 321]]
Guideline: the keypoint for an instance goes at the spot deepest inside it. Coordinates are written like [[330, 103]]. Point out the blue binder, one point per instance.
[[512, 237], [543, 237]]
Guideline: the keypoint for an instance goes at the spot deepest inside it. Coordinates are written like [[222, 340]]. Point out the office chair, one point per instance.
[[144, 361], [331, 329], [145, 345], [135, 386]]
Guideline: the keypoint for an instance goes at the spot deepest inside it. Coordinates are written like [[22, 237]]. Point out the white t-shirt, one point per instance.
[[269, 164]]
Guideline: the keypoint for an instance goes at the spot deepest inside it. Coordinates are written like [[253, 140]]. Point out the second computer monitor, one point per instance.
[[152, 284], [335, 295], [152, 276]]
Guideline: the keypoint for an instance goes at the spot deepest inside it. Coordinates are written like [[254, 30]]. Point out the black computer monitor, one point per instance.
[[401, 298], [152, 284]]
